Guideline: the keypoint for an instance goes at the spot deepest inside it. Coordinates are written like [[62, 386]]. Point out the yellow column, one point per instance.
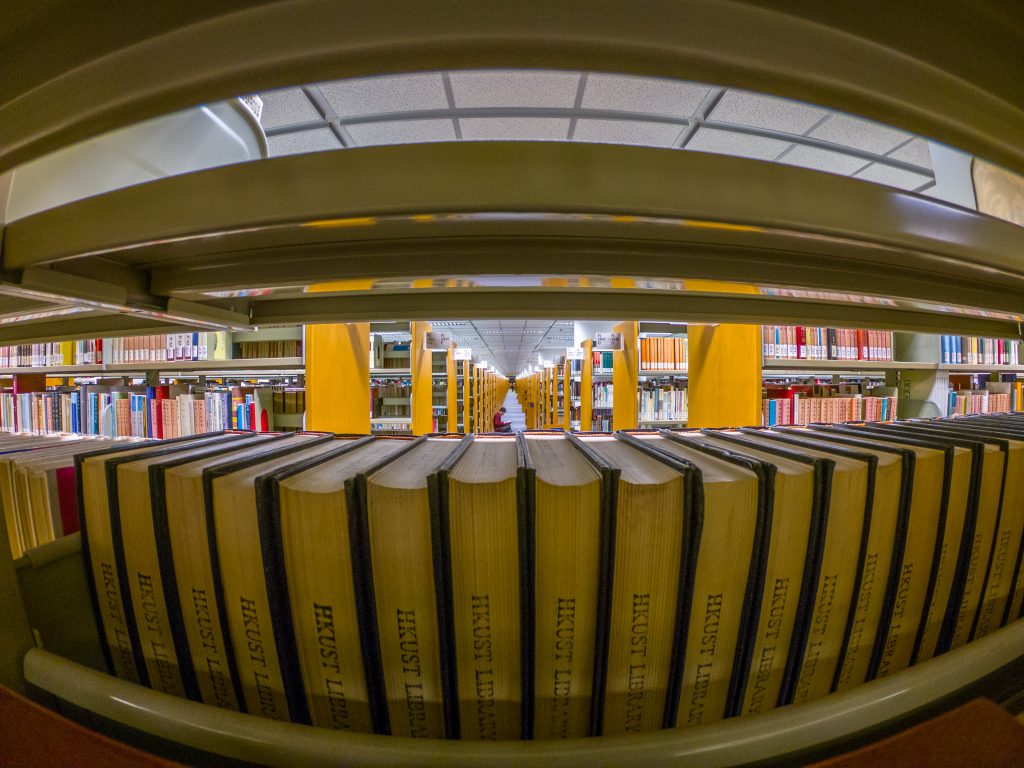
[[625, 378], [422, 362], [453, 395], [587, 388], [724, 375], [566, 399], [338, 377], [466, 413]]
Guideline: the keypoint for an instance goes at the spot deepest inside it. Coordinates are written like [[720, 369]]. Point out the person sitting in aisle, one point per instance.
[[499, 424]]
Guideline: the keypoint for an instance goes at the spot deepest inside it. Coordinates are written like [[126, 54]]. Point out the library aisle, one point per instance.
[[514, 412]]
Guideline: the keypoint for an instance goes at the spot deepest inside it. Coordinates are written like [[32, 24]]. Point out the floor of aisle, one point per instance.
[[514, 412]]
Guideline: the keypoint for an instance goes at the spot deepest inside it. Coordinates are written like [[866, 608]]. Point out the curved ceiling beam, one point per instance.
[[638, 211], [610, 305], [944, 70]]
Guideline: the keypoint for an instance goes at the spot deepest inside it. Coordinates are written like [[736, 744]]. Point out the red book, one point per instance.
[[67, 495], [801, 342]]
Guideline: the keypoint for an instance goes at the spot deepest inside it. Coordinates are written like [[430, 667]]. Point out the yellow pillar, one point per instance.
[[466, 395], [626, 378], [566, 398], [422, 372], [587, 388], [453, 394], [338, 377], [724, 375]]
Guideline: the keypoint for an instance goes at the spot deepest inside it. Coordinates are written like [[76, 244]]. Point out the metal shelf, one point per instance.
[[656, 374], [385, 372], [844, 365]]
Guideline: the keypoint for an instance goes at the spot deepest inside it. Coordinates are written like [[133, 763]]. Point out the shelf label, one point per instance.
[[437, 341], [462, 353], [607, 342], [574, 353]]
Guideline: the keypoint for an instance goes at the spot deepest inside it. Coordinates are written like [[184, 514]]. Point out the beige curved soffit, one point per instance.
[[78, 69]]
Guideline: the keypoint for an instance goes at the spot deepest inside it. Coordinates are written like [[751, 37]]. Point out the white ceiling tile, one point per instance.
[[822, 160], [627, 132], [741, 108], [514, 88], [515, 128], [402, 132], [916, 152], [643, 94], [286, 107], [860, 134], [316, 140], [738, 144], [380, 95], [892, 177]]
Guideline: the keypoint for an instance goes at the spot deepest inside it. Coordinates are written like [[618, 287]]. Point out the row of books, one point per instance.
[[289, 400], [248, 350], [801, 409], [662, 402], [52, 354], [38, 496], [978, 401], [390, 398], [799, 342], [663, 353], [602, 362], [389, 354], [168, 347], [603, 394], [564, 585], [118, 410], [978, 350]]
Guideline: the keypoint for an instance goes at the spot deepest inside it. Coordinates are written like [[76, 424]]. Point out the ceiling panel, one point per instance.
[[860, 134], [286, 107], [515, 128], [643, 94], [916, 152], [402, 132], [738, 144], [509, 88], [823, 160], [892, 177], [742, 108], [378, 95], [627, 132], [315, 140]]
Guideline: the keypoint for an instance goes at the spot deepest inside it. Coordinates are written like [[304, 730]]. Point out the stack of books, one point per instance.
[[798, 342], [549, 585], [659, 353]]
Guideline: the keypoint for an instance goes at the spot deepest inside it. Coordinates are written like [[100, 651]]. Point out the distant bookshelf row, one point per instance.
[[755, 568], [160, 411], [151, 351]]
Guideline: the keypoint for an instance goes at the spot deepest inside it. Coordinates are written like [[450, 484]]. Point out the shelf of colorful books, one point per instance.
[[262, 365]]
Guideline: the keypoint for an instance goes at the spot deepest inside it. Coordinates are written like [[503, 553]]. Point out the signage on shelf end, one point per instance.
[[574, 353], [437, 341], [462, 353], [607, 342]]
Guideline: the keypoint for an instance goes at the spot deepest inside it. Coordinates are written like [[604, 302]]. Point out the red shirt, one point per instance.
[[498, 423]]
